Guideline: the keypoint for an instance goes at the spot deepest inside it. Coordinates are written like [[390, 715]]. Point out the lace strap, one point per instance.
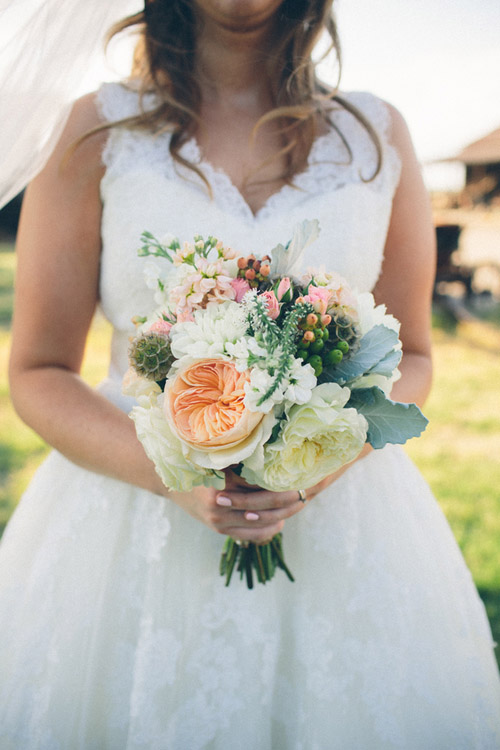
[[125, 148], [116, 102]]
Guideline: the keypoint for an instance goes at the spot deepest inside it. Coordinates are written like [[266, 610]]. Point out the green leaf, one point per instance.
[[388, 421], [374, 347], [388, 364], [275, 432]]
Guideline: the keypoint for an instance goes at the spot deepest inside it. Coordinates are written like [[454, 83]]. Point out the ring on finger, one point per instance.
[[302, 496], [242, 543]]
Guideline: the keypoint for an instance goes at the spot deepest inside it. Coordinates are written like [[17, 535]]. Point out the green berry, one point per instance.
[[317, 346], [318, 333], [325, 334], [315, 361], [334, 357], [302, 353], [343, 346]]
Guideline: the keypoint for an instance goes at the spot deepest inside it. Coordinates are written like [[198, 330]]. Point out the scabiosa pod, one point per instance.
[[151, 356]]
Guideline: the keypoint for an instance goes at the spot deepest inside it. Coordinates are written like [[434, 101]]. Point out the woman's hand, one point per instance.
[[243, 513], [246, 512]]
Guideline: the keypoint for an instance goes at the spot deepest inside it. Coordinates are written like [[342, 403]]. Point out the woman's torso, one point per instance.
[[144, 189]]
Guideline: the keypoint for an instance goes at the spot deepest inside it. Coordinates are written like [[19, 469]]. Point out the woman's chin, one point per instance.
[[239, 15]]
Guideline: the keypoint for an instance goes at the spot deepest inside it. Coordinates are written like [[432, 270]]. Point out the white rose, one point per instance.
[[317, 439], [134, 385], [164, 448]]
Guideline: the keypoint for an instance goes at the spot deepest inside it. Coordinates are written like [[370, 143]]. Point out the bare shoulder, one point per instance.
[[78, 153], [399, 134]]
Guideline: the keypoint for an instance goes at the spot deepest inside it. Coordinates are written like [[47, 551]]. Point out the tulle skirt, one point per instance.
[[117, 632]]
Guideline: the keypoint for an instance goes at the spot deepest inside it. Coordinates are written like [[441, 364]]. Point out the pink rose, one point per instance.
[[240, 287], [283, 288], [272, 304], [319, 297], [161, 326], [185, 316]]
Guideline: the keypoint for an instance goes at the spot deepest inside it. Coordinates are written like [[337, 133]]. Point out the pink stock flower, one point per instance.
[[186, 251], [241, 287], [283, 288], [228, 253], [161, 326], [207, 284], [272, 304]]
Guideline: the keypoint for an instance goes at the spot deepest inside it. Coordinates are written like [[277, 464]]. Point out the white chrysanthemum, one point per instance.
[[317, 439], [206, 337], [165, 450], [371, 315]]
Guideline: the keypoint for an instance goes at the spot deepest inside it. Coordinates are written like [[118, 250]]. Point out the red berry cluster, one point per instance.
[[254, 271]]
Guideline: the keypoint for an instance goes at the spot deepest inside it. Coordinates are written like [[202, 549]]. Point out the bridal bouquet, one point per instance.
[[250, 365]]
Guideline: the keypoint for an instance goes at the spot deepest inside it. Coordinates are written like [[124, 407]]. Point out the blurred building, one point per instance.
[[482, 163]]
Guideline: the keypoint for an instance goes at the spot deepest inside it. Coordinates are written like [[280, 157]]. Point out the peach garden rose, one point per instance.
[[204, 404]]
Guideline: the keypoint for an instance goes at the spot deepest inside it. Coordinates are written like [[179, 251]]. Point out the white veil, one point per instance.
[[46, 48]]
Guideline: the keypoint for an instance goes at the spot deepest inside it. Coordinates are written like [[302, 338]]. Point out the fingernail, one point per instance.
[[221, 500], [252, 516]]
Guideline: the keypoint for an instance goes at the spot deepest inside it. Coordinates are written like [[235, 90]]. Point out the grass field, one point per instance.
[[459, 454]]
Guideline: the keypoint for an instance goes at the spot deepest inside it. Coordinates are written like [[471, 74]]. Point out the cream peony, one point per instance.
[[317, 439]]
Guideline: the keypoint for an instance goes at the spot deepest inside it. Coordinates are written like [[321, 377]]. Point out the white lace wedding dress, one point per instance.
[[116, 631]]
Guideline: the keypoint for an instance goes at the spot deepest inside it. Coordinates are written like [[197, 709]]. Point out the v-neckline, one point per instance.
[[218, 177]]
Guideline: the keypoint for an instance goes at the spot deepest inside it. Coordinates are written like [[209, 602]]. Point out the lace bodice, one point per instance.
[[144, 189]]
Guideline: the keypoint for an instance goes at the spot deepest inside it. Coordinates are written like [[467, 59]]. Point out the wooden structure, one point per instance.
[[482, 162], [448, 270]]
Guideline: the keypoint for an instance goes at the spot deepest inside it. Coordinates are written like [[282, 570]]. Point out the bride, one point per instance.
[[117, 631]]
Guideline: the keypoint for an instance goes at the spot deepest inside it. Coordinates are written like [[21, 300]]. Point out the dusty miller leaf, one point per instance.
[[388, 421]]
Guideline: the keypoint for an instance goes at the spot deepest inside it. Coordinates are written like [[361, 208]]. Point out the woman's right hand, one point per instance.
[[242, 520], [243, 513]]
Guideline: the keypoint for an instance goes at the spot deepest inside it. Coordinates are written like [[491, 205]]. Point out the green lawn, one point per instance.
[[458, 454], [21, 450]]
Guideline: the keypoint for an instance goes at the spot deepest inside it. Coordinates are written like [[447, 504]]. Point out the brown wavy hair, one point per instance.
[[164, 64]]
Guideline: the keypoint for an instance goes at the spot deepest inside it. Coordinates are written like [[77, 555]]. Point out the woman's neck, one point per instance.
[[231, 62]]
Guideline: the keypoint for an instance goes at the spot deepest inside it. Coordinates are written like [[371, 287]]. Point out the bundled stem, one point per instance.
[[263, 559]]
